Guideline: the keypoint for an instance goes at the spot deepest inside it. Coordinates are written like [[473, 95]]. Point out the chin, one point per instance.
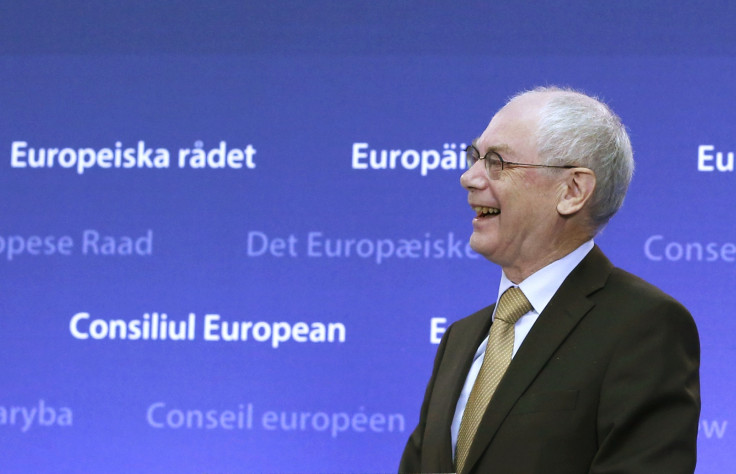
[[482, 247]]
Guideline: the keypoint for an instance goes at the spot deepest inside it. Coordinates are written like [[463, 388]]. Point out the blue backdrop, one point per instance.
[[232, 234]]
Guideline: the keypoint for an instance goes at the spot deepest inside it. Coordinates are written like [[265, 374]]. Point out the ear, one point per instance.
[[577, 189]]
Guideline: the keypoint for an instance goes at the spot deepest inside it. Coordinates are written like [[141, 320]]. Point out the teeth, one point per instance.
[[482, 210]]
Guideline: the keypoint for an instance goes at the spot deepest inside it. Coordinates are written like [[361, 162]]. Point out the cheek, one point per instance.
[[544, 196]]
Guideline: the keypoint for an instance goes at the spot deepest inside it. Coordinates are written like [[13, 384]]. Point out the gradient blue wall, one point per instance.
[[338, 275]]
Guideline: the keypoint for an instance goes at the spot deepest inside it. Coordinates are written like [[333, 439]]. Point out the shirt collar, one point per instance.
[[541, 286]]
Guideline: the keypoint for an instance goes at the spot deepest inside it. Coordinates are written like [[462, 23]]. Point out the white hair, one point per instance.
[[577, 129]]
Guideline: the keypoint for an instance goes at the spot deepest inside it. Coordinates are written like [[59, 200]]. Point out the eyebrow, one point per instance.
[[496, 148]]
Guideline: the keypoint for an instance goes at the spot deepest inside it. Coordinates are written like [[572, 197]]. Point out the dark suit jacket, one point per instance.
[[606, 381]]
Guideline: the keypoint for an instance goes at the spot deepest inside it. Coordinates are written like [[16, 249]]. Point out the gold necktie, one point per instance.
[[512, 305]]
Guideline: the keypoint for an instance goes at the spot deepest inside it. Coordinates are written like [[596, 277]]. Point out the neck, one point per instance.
[[521, 269]]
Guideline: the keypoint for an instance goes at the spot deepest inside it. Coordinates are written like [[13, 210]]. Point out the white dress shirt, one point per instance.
[[539, 288]]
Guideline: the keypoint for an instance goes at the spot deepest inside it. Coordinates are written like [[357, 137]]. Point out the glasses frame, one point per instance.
[[505, 163]]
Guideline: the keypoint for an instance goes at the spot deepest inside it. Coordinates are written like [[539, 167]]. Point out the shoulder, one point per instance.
[[619, 305], [630, 291], [613, 290], [635, 306]]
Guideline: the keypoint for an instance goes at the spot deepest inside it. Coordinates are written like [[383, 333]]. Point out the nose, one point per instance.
[[475, 177]]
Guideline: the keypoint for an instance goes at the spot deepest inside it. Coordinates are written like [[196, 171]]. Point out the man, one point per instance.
[[586, 368]]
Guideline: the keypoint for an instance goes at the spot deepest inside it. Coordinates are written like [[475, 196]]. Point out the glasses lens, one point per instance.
[[471, 155], [494, 164]]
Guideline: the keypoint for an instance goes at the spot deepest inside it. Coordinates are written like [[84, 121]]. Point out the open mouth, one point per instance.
[[482, 211]]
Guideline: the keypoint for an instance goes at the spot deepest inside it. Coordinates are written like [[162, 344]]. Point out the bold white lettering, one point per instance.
[[437, 329], [98, 329], [726, 165], [426, 163], [250, 152], [359, 155], [261, 331], [334, 329], [73, 326], [211, 326], [281, 333], [17, 151], [410, 159], [299, 332], [703, 157]]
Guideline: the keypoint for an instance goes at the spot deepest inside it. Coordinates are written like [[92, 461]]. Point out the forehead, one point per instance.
[[513, 129]]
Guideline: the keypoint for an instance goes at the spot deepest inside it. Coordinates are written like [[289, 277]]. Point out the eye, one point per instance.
[[492, 160]]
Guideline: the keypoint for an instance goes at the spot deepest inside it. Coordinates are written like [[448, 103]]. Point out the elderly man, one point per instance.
[[579, 367]]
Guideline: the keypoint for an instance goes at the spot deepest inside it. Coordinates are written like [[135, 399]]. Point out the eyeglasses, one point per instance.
[[495, 164]]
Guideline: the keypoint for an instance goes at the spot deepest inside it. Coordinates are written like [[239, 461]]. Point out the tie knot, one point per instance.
[[512, 305]]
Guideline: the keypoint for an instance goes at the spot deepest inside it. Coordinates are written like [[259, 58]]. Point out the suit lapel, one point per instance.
[[569, 305], [466, 335]]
